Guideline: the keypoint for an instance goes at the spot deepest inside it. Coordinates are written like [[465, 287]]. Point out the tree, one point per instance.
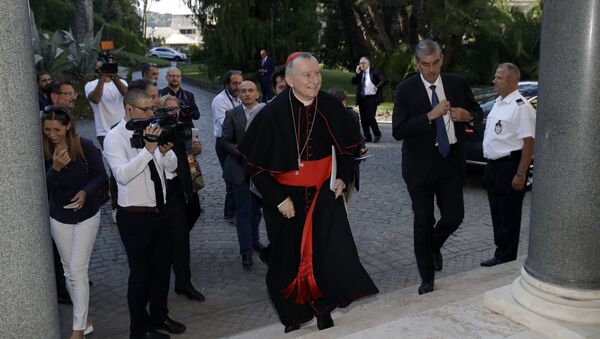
[[145, 6], [83, 22]]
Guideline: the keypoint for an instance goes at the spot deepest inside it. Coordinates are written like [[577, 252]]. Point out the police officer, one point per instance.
[[508, 146]]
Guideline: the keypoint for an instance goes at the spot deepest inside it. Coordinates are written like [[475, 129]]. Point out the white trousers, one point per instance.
[[75, 243]]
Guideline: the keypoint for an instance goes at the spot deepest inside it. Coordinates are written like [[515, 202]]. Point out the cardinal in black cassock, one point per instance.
[[313, 263]]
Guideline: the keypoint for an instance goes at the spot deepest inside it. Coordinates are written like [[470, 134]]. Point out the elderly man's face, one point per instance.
[[430, 66], [248, 93], [233, 87], [174, 78], [305, 78], [364, 64]]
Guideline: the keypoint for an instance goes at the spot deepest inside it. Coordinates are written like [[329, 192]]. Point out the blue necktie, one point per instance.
[[441, 136]]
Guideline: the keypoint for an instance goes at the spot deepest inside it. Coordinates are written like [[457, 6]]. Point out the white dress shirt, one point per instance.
[[130, 168], [439, 90], [222, 103], [370, 88]]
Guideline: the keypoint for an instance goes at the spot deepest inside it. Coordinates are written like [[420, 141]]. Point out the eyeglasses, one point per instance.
[[145, 109], [71, 94]]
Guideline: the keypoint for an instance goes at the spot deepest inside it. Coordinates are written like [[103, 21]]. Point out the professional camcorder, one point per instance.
[[171, 130], [109, 62]]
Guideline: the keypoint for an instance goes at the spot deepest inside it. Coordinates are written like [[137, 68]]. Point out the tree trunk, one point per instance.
[[83, 23], [380, 28], [417, 22], [144, 17], [369, 36], [355, 39]]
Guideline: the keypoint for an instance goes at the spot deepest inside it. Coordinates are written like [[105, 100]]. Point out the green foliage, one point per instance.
[[48, 51], [52, 15]]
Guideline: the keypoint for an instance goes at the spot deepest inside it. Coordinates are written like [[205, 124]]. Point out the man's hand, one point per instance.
[[165, 148], [287, 208], [108, 77], [358, 69], [518, 182], [60, 158], [79, 198], [460, 114], [153, 130], [339, 187], [440, 109]]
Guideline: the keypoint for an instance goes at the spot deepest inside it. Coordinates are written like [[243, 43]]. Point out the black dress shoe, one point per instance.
[[190, 292], [438, 261], [258, 246], [247, 260], [290, 328], [170, 326], [493, 261], [151, 334], [376, 138], [426, 287], [324, 321]]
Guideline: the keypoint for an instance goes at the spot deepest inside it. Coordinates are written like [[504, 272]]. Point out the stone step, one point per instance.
[[454, 310]]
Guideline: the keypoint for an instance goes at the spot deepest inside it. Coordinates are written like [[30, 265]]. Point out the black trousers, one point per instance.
[[367, 109], [229, 208], [181, 221], [148, 243], [112, 182], [506, 205], [444, 185]]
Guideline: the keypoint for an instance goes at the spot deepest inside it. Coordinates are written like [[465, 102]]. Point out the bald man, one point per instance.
[[188, 108]]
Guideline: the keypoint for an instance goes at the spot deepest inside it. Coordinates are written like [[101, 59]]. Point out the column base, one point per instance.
[[556, 312]]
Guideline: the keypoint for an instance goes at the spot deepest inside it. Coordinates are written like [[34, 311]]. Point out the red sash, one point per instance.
[[313, 173]]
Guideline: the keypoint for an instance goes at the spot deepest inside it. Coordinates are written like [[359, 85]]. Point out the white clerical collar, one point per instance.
[[304, 102]]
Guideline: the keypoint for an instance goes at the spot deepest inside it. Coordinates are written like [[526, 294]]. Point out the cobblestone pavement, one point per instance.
[[236, 299]]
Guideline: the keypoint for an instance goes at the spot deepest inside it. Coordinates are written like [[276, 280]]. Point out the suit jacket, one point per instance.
[[234, 130], [410, 124], [377, 78], [269, 67]]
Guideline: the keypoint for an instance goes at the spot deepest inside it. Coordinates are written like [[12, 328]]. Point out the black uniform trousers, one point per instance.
[[506, 204], [444, 184], [148, 243], [367, 108], [229, 208]]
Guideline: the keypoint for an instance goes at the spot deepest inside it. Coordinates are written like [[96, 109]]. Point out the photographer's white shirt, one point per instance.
[[130, 168], [110, 109]]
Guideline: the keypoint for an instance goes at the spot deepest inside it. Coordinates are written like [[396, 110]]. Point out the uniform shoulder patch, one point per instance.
[[520, 102]]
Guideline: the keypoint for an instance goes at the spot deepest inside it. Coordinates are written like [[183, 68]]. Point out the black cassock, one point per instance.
[[302, 286]]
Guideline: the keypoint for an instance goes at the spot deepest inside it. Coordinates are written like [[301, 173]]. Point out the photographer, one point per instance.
[[187, 102], [106, 99], [143, 224], [183, 205]]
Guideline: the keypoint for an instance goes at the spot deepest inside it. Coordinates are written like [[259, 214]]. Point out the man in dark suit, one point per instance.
[[266, 66], [369, 83], [430, 114], [247, 204]]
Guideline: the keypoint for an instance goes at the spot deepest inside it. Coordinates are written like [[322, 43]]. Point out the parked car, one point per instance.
[[166, 53], [474, 136]]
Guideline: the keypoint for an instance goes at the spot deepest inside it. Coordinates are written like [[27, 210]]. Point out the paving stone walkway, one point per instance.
[[236, 299]]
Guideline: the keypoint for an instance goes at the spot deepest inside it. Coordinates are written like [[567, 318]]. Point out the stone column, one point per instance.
[[28, 305], [561, 276]]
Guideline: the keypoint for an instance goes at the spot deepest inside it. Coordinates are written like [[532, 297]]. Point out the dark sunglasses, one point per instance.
[[51, 109]]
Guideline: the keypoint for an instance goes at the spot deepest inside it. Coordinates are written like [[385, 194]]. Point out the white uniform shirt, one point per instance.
[[110, 110], [510, 121], [130, 168], [222, 103], [439, 90]]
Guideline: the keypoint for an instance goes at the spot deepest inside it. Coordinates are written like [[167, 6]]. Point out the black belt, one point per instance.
[[512, 156], [140, 209]]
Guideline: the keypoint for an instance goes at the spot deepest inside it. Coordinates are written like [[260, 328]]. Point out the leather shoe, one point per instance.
[[376, 138], [426, 287], [438, 260], [493, 261], [258, 246], [151, 334], [190, 292], [324, 321], [247, 260], [290, 328], [170, 326]]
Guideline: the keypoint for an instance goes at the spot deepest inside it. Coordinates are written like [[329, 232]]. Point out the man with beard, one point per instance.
[[188, 108], [314, 264], [44, 81]]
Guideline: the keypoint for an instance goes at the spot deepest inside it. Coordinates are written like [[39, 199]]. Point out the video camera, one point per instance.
[[185, 109], [171, 129], [109, 62]]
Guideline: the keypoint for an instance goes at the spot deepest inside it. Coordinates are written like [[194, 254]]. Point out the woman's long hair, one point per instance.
[[73, 143]]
